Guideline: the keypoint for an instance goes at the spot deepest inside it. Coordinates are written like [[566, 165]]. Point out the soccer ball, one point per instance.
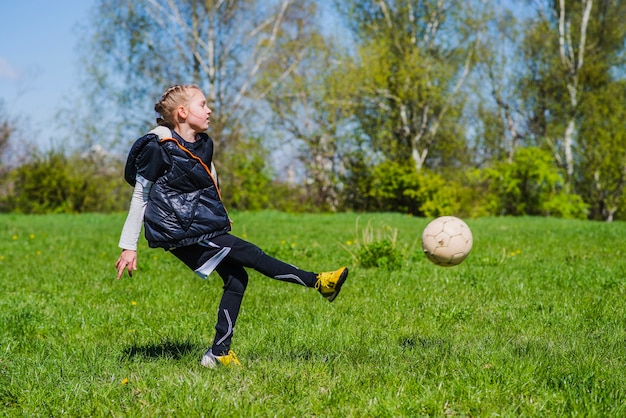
[[447, 241]]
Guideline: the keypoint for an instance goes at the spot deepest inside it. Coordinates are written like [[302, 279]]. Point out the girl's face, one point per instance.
[[198, 113]]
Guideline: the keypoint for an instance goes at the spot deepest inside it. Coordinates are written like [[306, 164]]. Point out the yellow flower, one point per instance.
[[31, 236], [124, 381], [14, 237], [133, 303]]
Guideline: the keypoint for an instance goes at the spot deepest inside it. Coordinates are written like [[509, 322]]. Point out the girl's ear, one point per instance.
[[182, 112]]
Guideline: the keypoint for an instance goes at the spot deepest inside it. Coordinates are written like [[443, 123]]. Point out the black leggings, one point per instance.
[[241, 255]]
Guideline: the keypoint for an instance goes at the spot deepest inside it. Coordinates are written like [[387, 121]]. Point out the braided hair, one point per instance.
[[171, 99]]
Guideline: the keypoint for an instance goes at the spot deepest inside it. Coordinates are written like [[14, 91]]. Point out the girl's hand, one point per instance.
[[127, 261]]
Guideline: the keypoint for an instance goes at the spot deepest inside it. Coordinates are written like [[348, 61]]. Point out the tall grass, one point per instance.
[[533, 323]]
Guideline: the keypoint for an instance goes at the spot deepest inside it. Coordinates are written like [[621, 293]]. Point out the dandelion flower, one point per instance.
[[124, 381]]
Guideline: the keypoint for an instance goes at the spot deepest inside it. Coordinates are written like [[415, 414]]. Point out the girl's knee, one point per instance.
[[237, 284]]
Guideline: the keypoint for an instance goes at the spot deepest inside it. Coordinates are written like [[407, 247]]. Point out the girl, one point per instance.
[[177, 198]]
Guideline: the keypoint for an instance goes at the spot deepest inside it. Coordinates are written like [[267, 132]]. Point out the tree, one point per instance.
[[602, 140], [140, 47], [498, 119], [412, 60], [7, 130], [308, 109], [15, 149], [574, 52], [572, 60]]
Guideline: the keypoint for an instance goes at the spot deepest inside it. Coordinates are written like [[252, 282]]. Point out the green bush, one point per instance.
[[56, 183], [399, 187], [377, 247], [380, 254], [389, 182], [565, 205], [438, 196], [245, 177], [530, 184]]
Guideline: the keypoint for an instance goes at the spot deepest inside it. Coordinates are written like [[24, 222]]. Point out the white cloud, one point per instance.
[[7, 71]]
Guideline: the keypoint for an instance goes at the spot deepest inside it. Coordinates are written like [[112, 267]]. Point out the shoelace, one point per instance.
[[232, 358], [323, 280]]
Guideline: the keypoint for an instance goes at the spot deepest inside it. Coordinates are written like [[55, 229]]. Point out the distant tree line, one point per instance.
[[427, 107]]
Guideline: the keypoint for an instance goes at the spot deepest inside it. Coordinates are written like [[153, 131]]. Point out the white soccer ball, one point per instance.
[[447, 241]]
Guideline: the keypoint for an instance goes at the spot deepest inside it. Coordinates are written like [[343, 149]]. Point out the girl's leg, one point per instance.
[[235, 281], [249, 255]]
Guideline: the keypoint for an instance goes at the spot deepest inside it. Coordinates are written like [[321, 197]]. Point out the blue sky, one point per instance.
[[38, 57]]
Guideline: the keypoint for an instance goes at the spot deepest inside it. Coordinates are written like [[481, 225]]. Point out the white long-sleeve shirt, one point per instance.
[[134, 220]]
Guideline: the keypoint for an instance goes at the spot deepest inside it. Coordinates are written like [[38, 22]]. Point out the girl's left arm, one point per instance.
[[132, 228]]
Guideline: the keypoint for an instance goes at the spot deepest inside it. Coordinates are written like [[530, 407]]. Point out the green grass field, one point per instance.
[[533, 323]]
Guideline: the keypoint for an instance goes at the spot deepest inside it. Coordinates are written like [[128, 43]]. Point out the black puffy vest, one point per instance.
[[184, 206]]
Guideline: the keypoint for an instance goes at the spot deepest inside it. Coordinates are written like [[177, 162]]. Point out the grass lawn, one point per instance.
[[533, 323]]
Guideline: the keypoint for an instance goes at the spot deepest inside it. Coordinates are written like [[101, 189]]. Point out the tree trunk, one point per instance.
[[572, 64]]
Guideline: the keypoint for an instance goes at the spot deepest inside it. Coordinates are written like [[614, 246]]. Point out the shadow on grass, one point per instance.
[[167, 349]]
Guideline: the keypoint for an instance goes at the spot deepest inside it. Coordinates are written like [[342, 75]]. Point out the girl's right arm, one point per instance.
[[132, 228]]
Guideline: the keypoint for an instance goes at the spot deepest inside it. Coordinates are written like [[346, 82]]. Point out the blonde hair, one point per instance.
[[172, 98]]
